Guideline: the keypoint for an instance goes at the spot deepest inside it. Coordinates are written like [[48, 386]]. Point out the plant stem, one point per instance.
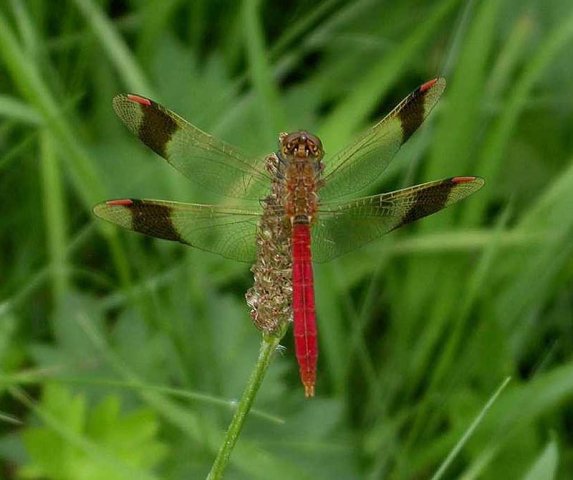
[[268, 346]]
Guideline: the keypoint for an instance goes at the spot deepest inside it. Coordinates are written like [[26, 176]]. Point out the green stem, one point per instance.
[[268, 346]]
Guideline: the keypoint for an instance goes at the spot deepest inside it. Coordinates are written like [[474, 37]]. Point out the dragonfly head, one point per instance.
[[301, 145]]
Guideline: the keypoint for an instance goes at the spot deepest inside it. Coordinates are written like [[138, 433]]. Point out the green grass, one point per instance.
[[121, 357]]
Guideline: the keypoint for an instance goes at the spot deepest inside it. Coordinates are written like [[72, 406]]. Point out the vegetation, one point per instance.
[[121, 356]]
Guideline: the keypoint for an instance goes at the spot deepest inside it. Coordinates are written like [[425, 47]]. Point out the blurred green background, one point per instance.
[[121, 355]]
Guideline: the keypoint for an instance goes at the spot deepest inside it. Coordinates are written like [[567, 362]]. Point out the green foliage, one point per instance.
[[90, 444], [545, 466], [417, 331]]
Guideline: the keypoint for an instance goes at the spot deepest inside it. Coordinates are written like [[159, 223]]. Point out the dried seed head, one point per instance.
[[270, 296]]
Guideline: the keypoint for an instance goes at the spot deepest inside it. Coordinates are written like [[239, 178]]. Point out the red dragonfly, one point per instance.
[[304, 189]]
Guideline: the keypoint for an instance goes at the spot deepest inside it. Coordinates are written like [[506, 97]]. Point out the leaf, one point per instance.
[[545, 466], [76, 443]]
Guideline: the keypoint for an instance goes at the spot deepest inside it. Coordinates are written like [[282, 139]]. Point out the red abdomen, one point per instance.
[[303, 307]]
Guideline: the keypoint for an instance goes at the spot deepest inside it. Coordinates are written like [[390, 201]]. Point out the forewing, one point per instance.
[[211, 163], [226, 231], [346, 226], [361, 163]]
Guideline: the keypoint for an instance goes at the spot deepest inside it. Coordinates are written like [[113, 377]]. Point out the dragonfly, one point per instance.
[[309, 199]]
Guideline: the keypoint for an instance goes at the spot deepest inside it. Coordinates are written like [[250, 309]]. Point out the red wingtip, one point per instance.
[[463, 179], [120, 203], [428, 85], [308, 390], [138, 99]]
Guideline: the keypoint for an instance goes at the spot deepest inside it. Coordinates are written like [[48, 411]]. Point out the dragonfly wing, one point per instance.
[[362, 162], [343, 227], [228, 232], [211, 163]]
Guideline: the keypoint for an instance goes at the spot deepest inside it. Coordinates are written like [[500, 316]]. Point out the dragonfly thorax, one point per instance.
[[300, 165]]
